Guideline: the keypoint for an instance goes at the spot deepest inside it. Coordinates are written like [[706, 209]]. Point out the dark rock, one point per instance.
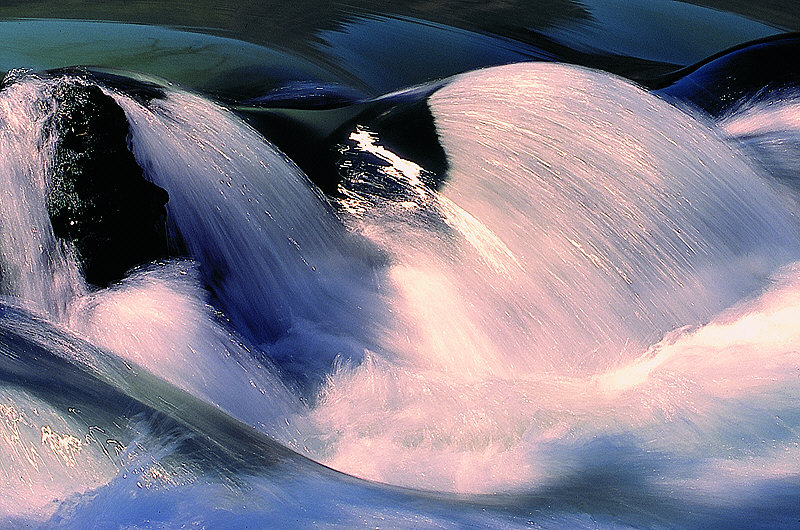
[[409, 131], [723, 80], [99, 199], [313, 137]]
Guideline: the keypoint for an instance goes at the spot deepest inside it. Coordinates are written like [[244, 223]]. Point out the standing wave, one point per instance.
[[603, 282]]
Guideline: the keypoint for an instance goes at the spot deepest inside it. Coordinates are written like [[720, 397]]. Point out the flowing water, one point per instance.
[[588, 319]]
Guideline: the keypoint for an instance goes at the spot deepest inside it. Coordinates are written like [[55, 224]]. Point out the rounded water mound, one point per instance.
[[623, 217]]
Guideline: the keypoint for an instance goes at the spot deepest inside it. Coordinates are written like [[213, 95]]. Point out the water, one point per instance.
[[583, 316], [634, 221], [36, 268], [270, 246]]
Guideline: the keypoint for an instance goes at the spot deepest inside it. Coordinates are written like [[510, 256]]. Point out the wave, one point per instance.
[[584, 227], [595, 299]]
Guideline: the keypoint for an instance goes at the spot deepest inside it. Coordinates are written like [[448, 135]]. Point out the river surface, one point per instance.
[[434, 265]]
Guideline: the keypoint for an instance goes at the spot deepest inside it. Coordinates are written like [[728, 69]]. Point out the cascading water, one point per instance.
[[582, 221], [34, 267], [599, 303], [647, 218], [157, 318], [271, 248]]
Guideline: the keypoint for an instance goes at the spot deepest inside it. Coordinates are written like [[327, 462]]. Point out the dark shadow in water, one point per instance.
[[304, 27], [780, 13], [294, 25]]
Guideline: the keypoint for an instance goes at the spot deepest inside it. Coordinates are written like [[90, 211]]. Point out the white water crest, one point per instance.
[[602, 314]]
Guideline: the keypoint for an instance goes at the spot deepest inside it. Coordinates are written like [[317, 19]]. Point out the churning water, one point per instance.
[[593, 320]]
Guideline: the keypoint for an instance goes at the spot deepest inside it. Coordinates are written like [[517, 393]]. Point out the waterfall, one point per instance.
[[35, 267], [600, 297], [583, 272], [271, 248]]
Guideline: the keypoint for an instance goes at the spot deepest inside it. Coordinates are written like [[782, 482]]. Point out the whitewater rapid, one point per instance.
[[586, 228], [602, 295]]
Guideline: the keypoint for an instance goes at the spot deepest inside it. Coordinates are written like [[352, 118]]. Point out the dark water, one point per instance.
[[439, 264]]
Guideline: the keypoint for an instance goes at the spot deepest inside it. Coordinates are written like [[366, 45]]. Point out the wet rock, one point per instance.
[[99, 199], [742, 73]]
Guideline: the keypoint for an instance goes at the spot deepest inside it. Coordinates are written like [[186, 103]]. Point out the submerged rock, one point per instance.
[[99, 199]]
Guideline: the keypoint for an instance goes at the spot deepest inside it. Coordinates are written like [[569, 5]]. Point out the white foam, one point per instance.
[[635, 228], [159, 320]]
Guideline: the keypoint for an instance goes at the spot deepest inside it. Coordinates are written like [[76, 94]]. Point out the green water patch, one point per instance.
[[216, 65]]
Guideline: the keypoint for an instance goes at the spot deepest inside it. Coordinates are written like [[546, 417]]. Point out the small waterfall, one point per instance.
[[581, 220], [158, 317], [35, 267], [562, 300], [270, 247], [627, 217]]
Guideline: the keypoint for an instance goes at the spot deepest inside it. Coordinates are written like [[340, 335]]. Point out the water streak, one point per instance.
[[630, 227], [34, 266]]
